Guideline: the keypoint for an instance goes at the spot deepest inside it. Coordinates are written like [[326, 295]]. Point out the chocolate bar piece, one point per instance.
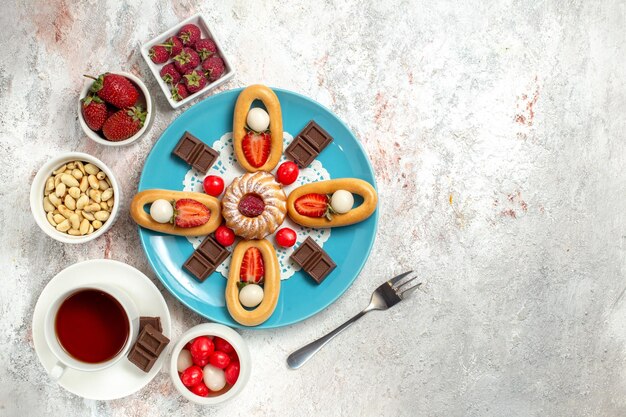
[[141, 358], [308, 144], [154, 321], [315, 136], [313, 260], [205, 159], [300, 152], [149, 345], [151, 340], [320, 269], [195, 152], [204, 260], [213, 251]]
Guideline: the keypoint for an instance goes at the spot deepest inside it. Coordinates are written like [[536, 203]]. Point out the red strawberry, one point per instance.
[[251, 205], [252, 270], [205, 48], [256, 147], [194, 81], [94, 112], [115, 89], [158, 54], [213, 67], [124, 124], [190, 213], [169, 74], [173, 45], [189, 34], [179, 92], [312, 205], [187, 60]]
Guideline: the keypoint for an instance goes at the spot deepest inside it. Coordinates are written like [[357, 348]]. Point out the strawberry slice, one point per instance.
[[256, 148], [312, 205], [190, 213], [251, 270]]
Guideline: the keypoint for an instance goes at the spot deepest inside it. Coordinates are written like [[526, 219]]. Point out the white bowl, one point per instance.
[[147, 105], [232, 337], [199, 21], [38, 186]]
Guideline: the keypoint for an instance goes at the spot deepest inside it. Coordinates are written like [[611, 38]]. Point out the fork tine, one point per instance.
[[394, 280], [404, 290]]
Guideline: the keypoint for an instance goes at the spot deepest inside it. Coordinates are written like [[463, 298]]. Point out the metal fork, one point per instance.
[[388, 294]]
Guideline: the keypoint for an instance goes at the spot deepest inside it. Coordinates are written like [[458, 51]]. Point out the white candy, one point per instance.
[[342, 201], [258, 119], [214, 378], [184, 360], [161, 211], [251, 295]]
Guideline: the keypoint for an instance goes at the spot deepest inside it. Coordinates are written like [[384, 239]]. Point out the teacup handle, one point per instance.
[[57, 371]]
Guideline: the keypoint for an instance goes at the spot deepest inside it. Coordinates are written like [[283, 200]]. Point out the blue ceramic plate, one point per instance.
[[300, 296]]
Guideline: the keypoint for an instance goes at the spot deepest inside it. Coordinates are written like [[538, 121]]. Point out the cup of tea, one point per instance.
[[90, 328]]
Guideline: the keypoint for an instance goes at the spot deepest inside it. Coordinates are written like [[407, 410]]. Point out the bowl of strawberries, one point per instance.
[[187, 60], [114, 108], [210, 364]]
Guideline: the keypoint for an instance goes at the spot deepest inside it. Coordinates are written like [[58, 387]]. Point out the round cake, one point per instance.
[[254, 205]]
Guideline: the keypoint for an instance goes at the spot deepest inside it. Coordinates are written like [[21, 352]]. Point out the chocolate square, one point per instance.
[[320, 269], [141, 358], [306, 252], [151, 340], [300, 152], [154, 321], [316, 136], [199, 266], [187, 147], [205, 158], [212, 251]]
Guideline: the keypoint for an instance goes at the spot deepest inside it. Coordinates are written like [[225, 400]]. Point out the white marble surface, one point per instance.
[[496, 129]]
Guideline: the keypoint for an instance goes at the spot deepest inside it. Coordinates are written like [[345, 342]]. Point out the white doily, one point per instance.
[[227, 167]]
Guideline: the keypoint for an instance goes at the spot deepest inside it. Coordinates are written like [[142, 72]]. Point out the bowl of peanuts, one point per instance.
[[74, 198]]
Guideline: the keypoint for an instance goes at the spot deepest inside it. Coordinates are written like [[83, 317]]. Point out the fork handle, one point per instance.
[[302, 355]]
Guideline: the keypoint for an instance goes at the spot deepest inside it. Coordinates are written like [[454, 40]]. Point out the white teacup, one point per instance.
[[67, 361]]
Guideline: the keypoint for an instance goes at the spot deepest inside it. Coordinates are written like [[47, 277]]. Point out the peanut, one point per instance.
[[58, 218], [64, 226], [69, 180], [50, 218], [96, 224], [50, 184], [77, 173], [102, 215], [84, 184], [80, 167], [82, 201], [54, 200], [60, 190], [74, 192], [70, 203], [74, 221], [60, 170], [106, 194], [103, 185], [47, 205], [93, 182], [84, 227], [95, 195], [93, 207], [101, 175], [65, 212], [92, 169], [91, 229], [73, 232], [88, 216]]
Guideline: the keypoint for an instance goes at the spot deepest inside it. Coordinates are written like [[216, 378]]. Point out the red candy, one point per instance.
[[219, 359], [223, 345], [287, 173], [191, 376], [286, 237], [201, 348], [213, 185], [201, 362], [231, 373], [224, 236], [200, 389]]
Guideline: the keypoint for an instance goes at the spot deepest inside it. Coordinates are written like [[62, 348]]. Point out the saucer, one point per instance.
[[123, 378]]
